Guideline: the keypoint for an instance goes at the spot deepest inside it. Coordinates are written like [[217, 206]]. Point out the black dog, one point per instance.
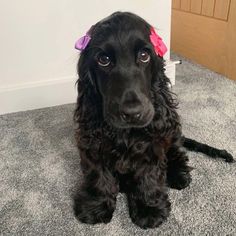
[[129, 133]]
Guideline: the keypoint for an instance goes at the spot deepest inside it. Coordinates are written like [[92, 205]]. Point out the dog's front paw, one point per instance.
[[179, 180], [146, 216], [92, 212]]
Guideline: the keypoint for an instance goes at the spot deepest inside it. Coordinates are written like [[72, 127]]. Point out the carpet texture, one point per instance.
[[40, 171]]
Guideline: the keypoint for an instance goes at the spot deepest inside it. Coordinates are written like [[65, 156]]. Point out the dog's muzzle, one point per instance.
[[134, 110]]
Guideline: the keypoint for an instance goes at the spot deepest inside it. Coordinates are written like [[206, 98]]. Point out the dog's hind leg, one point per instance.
[[178, 171]]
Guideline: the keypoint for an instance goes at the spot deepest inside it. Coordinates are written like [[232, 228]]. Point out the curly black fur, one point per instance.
[[140, 160]]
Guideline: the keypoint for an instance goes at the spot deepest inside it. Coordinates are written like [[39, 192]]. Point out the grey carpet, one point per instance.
[[40, 172]]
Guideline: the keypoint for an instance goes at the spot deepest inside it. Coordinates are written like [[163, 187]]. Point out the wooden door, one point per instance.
[[205, 31]]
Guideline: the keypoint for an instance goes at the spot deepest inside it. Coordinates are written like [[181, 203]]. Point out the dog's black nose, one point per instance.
[[131, 107], [131, 116]]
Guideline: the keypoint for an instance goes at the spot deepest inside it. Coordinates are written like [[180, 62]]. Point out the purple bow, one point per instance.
[[82, 42]]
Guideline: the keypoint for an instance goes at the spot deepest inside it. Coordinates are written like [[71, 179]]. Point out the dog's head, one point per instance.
[[121, 64]]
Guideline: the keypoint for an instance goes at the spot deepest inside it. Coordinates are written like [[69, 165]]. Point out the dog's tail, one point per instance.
[[195, 146]]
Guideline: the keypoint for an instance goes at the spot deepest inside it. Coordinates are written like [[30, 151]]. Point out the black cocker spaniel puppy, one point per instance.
[[129, 133]]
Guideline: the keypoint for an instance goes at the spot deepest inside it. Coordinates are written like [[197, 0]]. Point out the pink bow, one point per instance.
[[156, 40]]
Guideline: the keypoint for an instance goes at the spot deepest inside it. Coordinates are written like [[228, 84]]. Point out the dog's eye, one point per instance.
[[143, 56], [103, 60]]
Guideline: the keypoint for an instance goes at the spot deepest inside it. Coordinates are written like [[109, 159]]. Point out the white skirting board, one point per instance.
[[31, 96], [171, 69], [49, 93]]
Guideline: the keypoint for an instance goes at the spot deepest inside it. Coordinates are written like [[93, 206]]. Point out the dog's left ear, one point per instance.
[[158, 66], [158, 72]]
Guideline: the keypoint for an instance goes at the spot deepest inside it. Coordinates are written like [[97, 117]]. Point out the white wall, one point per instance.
[[37, 55]]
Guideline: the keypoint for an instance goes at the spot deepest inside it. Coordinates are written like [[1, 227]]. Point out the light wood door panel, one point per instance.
[[222, 9], [230, 42], [185, 5], [196, 6], [207, 36], [208, 7], [176, 4]]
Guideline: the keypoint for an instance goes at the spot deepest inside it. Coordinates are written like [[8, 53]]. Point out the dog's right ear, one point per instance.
[[88, 100], [84, 70]]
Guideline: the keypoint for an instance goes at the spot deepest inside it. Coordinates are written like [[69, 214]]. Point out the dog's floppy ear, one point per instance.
[[88, 100], [84, 69], [161, 84], [158, 72], [159, 50]]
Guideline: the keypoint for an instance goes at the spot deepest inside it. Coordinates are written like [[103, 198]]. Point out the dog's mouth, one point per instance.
[[139, 121]]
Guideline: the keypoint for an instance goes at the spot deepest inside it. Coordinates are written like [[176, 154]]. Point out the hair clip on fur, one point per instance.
[[158, 44], [82, 42]]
